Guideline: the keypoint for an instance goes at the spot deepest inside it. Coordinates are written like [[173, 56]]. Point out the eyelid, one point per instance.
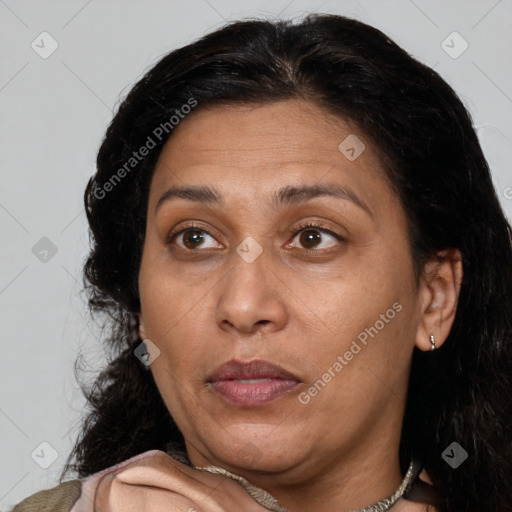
[[295, 230], [316, 225], [189, 227]]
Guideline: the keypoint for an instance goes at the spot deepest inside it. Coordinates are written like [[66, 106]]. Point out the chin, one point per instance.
[[257, 453]]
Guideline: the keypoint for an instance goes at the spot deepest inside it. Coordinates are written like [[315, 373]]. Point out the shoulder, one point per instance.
[[57, 499]]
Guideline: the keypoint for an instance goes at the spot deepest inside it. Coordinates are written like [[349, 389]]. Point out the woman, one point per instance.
[[307, 270]]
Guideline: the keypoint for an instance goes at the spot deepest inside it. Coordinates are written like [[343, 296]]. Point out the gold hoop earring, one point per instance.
[[433, 342]]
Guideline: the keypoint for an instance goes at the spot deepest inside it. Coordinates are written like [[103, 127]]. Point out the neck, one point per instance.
[[364, 477], [347, 479], [353, 478], [359, 483]]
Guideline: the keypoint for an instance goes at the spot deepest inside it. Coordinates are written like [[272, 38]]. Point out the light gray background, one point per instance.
[[53, 113]]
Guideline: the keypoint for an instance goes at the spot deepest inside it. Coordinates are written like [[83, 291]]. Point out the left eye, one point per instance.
[[310, 237]]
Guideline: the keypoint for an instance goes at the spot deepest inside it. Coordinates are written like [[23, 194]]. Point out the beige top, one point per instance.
[[58, 499]]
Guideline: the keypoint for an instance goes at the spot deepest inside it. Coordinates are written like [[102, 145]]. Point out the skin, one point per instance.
[[158, 483], [202, 304]]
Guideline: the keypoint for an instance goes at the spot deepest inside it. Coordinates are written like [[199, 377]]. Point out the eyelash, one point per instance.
[[319, 227], [302, 227]]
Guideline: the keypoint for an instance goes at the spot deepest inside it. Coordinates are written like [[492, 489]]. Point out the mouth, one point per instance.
[[252, 383]]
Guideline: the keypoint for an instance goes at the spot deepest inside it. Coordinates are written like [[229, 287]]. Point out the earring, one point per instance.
[[433, 342]]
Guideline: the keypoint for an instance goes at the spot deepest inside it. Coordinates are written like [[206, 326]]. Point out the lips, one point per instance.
[[251, 383]]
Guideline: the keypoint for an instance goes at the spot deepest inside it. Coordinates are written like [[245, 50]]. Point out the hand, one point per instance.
[[159, 483]]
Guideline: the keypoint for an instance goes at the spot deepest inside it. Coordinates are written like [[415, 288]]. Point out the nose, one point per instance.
[[251, 297]]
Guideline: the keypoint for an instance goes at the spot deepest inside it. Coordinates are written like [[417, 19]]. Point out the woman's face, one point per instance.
[[334, 306]]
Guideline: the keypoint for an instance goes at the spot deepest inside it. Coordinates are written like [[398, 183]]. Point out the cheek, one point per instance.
[[167, 301], [365, 287], [176, 320], [367, 313]]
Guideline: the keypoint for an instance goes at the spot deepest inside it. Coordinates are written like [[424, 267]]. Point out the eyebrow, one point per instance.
[[286, 196]]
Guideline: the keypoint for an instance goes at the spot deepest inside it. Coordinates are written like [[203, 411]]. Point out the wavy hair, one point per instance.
[[431, 156]]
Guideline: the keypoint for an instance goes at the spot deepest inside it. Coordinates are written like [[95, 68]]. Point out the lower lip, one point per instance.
[[250, 394]]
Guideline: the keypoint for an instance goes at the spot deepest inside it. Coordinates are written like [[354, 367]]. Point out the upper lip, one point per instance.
[[256, 369]]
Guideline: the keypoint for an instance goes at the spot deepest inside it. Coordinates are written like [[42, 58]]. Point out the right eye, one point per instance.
[[191, 238]]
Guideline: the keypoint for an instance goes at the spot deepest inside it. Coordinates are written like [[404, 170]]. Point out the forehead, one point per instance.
[[274, 132], [251, 149]]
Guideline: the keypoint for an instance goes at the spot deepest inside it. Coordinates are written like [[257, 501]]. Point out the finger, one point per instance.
[[211, 493], [161, 471], [128, 498]]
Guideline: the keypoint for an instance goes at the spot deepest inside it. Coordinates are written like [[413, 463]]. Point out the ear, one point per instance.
[[439, 294], [142, 331]]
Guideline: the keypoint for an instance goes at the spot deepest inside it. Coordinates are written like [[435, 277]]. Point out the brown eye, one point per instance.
[[192, 238], [310, 238], [313, 237]]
